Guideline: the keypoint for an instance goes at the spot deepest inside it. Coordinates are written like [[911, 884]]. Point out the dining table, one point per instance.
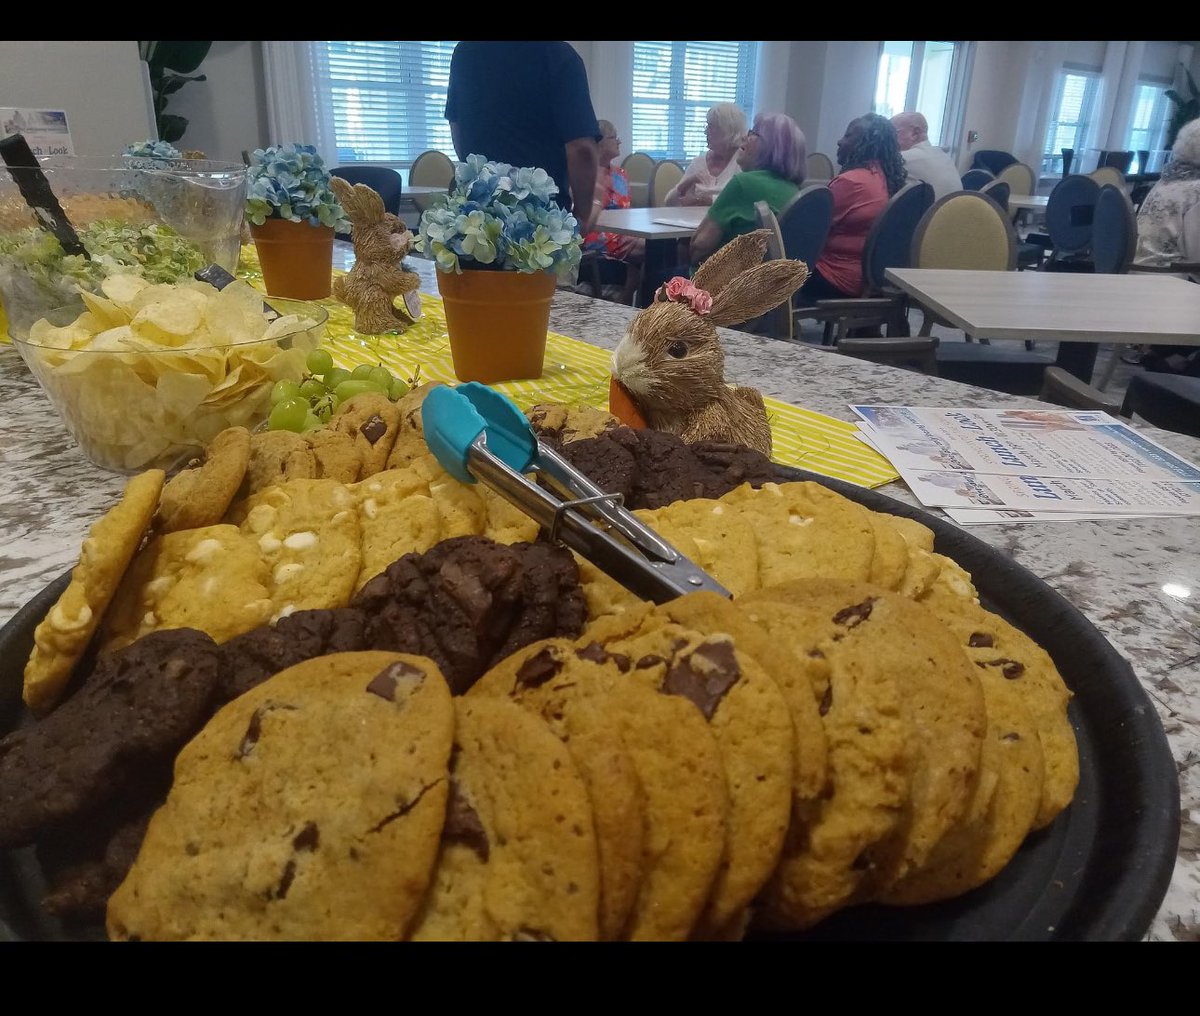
[[1079, 311], [661, 228], [1136, 580]]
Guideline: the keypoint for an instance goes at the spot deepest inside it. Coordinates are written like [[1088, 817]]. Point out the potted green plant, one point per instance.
[[500, 243], [293, 214]]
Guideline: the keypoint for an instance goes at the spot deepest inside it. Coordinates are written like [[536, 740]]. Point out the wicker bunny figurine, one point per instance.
[[380, 242], [671, 363]]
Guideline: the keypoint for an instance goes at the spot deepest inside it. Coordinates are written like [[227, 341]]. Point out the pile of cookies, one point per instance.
[[536, 752]]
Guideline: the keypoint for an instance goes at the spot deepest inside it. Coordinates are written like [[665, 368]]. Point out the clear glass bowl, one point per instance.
[[131, 406], [201, 200]]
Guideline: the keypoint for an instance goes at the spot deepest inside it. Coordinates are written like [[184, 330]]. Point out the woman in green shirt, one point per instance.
[[774, 160]]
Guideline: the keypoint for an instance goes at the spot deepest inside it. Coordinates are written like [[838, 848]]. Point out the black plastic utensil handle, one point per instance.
[[23, 167], [215, 275]]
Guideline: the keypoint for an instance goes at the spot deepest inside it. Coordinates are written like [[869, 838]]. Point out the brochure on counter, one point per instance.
[[1030, 465]]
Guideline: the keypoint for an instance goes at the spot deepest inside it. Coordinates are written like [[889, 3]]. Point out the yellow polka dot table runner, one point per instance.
[[578, 372]]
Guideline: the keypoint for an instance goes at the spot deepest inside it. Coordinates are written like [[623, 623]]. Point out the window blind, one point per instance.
[[1074, 97], [675, 84], [388, 99]]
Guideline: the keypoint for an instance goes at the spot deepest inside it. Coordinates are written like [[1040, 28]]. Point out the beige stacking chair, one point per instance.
[[666, 175], [430, 169], [639, 167]]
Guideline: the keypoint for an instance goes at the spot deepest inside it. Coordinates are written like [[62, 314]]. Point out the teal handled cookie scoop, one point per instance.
[[479, 434]]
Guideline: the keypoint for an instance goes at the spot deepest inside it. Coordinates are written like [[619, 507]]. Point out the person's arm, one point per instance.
[[706, 239], [456, 138], [717, 225], [582, 160]]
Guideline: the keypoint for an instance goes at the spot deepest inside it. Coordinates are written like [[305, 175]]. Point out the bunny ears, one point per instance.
[[735, 284]]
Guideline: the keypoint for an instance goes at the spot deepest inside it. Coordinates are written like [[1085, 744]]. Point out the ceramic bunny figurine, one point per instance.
[[671, 363], [380, 242]]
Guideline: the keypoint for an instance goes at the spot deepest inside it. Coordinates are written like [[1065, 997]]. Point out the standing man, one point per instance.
[[527, 104], [922, 160]]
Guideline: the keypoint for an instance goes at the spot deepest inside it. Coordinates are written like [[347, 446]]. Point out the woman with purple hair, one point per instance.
[[774, 159]]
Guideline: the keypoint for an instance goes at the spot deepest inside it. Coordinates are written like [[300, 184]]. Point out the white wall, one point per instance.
[[228, 112], [994, 97], [100, 85], [847, 91]]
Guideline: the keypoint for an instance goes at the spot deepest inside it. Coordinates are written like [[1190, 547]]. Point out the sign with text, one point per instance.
[[45, 130]]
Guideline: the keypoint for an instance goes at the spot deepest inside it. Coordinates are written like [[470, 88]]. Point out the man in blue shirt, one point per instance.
[[527, 104]]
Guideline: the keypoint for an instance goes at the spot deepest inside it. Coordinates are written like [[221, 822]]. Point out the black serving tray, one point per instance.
[[1099, 872]]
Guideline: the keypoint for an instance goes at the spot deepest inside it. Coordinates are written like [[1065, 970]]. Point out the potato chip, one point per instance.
[[121, 289], [105, 310], [171, 321], [43, 333]]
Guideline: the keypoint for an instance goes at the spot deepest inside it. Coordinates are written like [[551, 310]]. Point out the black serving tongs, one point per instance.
[[477, 433], [26, 172]]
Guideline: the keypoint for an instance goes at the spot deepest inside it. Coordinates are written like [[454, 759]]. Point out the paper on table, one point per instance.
[[946, 489], [995, 516], [678, 220], [1019, 442]]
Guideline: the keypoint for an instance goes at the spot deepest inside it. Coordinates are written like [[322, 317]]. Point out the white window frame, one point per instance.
[[1052, 160], [423, 126], [678, 105], [954, 109], [1160, 120]]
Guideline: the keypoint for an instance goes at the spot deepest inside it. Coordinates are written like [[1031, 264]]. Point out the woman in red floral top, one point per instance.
[[612, 191]]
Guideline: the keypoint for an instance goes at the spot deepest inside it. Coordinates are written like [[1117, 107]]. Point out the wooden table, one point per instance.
[[661, 253], [1079, 311], [415, 190]]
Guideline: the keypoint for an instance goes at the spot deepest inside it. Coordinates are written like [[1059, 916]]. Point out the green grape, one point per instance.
[[319, 361], [311, 422], [362, 372], [283, 391], [398, 389], [288, 415], [382, 377], [335, 377], [348, 389], [312, 389]]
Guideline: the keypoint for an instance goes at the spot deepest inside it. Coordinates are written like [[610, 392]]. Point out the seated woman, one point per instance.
[[774, 159], [709, 172], [872, 171], [612, 191], [1169, 234], [1169, 219]]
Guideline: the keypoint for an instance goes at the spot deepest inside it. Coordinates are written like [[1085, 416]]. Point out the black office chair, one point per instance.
[[386, 181], [804, 223], [975, 179], [993, 161], [798, 233], [998, 191], [1069, 214], [888, 245]]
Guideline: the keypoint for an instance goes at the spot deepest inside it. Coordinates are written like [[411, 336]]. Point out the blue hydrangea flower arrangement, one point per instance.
[[291, 182], [155, 150], [500, 217]]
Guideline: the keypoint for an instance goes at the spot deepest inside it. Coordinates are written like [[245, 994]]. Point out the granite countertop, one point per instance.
[[1114, 572]]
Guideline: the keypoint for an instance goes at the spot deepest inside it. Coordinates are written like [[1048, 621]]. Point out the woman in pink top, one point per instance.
[[872, 171]]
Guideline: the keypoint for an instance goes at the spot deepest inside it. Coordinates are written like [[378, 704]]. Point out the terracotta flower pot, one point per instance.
[[296, 258], [497, 323]]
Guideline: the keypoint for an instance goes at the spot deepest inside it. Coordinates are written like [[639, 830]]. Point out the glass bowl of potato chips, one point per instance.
[[161, 219], [149, 373]]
